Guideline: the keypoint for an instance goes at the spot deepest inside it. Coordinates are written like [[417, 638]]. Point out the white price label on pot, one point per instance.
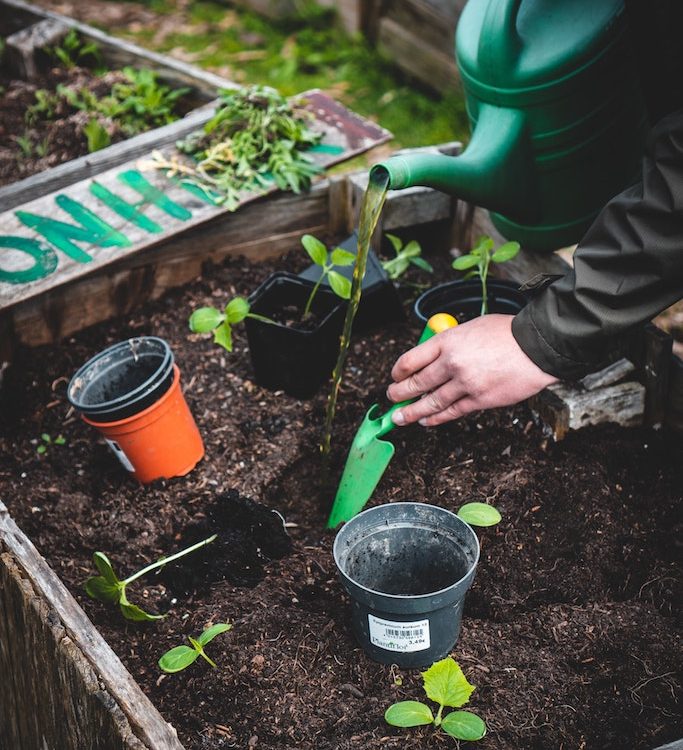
[[403, 637], [117, 450]]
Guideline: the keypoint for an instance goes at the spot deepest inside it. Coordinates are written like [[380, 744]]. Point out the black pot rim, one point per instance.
[[157, 383], [501, 288]]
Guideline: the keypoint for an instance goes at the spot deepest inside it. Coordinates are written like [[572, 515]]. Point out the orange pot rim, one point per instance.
[[157, 405]]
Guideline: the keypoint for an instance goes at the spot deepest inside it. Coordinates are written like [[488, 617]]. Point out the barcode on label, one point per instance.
[[403, 637]]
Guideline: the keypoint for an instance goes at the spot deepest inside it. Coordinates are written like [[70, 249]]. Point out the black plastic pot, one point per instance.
[[379, 302], [406, 567], [123, 379], [462, 299], [291, 359]]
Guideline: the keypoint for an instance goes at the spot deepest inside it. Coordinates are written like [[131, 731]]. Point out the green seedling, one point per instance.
[[180, 657], [445, 684], [318, 253], [406, 255], [479, 514], [208, 319], [107, 587], [97, 135], [477, 263], [46, 441], [73, 51], [25, 144], [44, 107]]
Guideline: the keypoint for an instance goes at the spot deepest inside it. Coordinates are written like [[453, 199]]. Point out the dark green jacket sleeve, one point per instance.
[[627, 268]]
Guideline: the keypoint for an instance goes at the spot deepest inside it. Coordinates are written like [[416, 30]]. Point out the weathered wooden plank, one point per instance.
[[22, 47], [608, 375], [118, 52], [104, 220], [63, 688], [657, 370]]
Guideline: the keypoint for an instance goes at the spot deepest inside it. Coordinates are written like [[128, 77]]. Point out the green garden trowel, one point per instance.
[[369, 455]]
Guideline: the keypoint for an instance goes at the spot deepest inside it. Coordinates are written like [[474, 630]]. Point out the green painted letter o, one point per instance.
[[44, 256]]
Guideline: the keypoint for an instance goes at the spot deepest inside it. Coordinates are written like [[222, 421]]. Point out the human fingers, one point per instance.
[[460, 408], [416, 359], [417, 383], [432, 403]]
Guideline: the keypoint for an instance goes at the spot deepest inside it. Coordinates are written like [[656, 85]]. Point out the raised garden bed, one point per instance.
[[570, 631]]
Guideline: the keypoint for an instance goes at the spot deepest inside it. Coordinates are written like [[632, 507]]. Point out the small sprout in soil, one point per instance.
[[445, 684], [46, 441], [44, 107], [477, 263], [25, 144], [479, 514], [406, 255], [318, 253], [97, 135], [207, 319], [180, 657], [73, 51], [107, 587]]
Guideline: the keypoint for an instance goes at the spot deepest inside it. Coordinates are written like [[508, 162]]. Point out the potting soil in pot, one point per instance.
[[571, 630]]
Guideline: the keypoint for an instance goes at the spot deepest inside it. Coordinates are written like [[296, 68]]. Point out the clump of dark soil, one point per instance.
[[571, 631]]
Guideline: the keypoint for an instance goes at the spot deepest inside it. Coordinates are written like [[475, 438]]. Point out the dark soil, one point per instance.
[[48, 141], [571, 631]]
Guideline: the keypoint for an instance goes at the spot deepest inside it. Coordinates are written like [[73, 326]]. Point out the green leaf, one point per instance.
[[60, 440], [96, 135], [236, 310], [223, 336], [177, 659], [464, 262], [483, 245], [445, 683], [210, 633], [98, 588], [46, 438], [205, 319], [137, 614], [341, 257], [505, 252], [412, 249], [315, 248], [464, 725], [479, 514], [341, 286], [395, 241], [423, 264], [105, 568], [408, 714], [474, 273], [41, 449]]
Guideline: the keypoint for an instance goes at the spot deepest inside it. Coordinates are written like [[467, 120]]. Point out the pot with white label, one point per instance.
[[406, 567]]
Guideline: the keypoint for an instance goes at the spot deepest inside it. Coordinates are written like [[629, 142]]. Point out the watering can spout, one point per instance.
[[492, 172]]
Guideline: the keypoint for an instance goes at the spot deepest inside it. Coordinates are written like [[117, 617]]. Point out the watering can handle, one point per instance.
[[499, 42], [436, 324]]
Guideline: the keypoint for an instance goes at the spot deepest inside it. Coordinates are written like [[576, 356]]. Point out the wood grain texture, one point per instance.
[[62, 686]]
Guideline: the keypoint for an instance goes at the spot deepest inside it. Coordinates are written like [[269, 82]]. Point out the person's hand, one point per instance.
[[476, 365]]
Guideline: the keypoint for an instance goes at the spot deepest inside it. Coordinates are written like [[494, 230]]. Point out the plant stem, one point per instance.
[[202, 654], [437, 720], [166, 560], [373, 200], [307, 309], [484, 272]]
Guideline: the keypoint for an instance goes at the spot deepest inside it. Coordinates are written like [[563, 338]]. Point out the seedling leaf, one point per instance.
[[315, 248], [137, 614], [479, 514], [205, 319], [465, 261], [340, 284], [236, 310], [210, 633], [97, 587], [445, 683], [408, 714], [412, 249], [505, 252], [105, 568], [423, 264], [177, 659], [341, 257], [395, 241], [223, 336], [483, 245], [45, 437], [464, 725]]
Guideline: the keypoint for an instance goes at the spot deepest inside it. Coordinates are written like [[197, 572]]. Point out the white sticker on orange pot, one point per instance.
[[399, 636], [117, 450]]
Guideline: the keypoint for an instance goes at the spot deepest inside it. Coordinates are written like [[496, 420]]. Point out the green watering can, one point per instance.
[[558, 119]]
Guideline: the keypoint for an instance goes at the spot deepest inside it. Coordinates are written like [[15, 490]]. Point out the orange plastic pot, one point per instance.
[[161, 441]]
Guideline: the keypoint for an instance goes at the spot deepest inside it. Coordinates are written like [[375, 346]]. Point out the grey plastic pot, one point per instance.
[[406, 567]]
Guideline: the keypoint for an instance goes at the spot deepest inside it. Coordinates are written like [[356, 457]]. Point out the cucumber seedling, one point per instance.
[[180, 657]]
